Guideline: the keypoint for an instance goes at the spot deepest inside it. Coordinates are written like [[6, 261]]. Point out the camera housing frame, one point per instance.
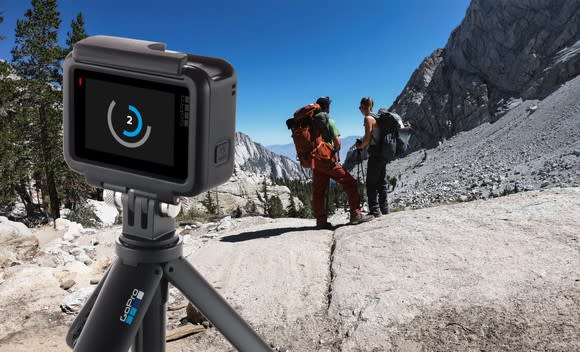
[[211, 84]]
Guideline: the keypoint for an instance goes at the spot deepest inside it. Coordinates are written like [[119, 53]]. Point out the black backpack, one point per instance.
[[389, 145]]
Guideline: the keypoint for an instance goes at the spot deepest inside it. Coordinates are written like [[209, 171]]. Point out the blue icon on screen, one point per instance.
[[130, 132], [130, 122]]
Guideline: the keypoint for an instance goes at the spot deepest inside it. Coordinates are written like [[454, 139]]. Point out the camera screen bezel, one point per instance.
[[177, 173]]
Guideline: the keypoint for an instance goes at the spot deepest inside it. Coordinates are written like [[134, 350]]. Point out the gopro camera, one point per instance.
[[140, 117]]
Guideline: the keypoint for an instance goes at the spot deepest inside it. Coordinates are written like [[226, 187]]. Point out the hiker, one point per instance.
[[376, 182], [324, 170]]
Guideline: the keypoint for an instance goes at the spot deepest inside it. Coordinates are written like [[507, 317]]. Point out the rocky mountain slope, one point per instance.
[[252, 157], [502, 52], [534, 146], [252, 165]]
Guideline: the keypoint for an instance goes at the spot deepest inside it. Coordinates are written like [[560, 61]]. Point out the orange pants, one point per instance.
[[321, 174]]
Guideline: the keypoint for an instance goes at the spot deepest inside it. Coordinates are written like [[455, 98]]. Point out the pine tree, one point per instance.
[[265, 198], [275, 207], [76, 33], [37, 58], [6, 99], [2, 20], [217, 202], [209, 203], [291, 211], [74, 187], [14, 160]]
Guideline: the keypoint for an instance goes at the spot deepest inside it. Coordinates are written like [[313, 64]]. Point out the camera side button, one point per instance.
[[222, 152]]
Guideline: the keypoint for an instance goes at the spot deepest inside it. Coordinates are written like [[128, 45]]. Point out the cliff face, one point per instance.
[[254, 158], [502, 52], [253, 165]]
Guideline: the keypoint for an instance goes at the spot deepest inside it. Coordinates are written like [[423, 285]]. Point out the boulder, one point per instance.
[[75, 301], [10, 229]]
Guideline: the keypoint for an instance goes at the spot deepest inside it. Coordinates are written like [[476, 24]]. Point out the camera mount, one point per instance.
[[150, 125]]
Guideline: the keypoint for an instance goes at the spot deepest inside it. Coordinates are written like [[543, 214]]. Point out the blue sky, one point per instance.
[[286, 53]]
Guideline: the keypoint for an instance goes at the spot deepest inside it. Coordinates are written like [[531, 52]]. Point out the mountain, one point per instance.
[[499, 107], [255, 158], [534, 146], [253, 165], [289, 150], [502, 53]]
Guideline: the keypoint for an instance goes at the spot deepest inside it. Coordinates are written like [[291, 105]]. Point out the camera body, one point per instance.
[[139, 117]]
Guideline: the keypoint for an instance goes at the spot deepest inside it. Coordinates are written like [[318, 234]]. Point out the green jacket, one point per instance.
[[327, 127]]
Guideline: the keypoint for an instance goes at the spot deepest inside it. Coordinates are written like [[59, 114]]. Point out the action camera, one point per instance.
[[143, 118]]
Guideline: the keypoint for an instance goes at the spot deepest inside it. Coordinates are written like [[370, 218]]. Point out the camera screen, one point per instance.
[[132, 124]]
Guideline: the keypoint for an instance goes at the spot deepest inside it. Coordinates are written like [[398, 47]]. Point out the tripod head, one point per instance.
[[144, 218]]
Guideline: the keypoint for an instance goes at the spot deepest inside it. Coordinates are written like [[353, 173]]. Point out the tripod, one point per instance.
[[128, 307]]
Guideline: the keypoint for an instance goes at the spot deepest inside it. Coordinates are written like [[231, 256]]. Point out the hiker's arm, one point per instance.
[[336, 142], [368, 128]]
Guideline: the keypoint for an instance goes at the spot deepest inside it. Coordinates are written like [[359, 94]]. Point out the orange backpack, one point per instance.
[[307, 137]]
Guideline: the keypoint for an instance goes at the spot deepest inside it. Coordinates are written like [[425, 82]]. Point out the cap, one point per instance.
[[323, 101]]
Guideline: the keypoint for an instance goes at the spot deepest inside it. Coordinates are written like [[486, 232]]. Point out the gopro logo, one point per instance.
[[132, 307]]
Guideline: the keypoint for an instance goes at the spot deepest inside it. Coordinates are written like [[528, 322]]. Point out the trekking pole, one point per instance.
[[360, 170]]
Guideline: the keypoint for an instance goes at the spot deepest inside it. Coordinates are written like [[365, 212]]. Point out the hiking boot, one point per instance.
[[324, 226], [376, 214], [360, 218], [385, 211]]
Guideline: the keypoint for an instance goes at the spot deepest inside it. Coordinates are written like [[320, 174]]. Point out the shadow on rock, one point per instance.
[[252, 235]]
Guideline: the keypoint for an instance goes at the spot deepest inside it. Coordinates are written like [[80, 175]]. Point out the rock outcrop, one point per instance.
[[494, 275], [252, 157], [253, 165], [502, 52], [534, 146]]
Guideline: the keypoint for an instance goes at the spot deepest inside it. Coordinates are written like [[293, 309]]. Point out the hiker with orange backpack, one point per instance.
[[317, 142]]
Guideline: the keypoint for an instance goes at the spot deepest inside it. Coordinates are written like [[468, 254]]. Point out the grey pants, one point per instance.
[[376, 185]]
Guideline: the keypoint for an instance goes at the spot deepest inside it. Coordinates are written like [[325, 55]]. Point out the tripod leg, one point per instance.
[[79, 322], [120, 307], [151, 336], [199, 292]]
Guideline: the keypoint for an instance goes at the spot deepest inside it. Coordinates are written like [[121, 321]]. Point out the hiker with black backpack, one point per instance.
[[317, 142], [381, 134]]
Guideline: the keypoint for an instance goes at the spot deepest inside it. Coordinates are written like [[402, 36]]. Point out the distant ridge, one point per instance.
[[289, 151]]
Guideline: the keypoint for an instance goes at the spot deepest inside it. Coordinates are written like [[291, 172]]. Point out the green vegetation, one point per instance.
[[192, 215], [84, 215], [251, 208], [32, 167], [211, 203]]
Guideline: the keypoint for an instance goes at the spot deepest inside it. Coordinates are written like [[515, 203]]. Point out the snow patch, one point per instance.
[[104, 211]]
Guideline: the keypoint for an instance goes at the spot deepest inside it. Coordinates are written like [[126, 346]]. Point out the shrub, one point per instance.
[[84, 215]]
